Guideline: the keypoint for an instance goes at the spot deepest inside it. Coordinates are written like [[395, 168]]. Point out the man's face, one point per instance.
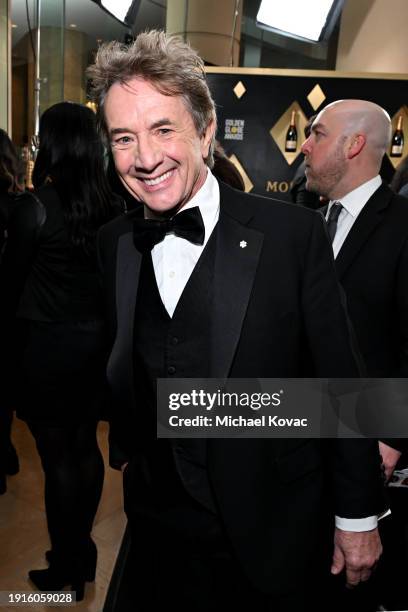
[[325, 154], [158, 153]]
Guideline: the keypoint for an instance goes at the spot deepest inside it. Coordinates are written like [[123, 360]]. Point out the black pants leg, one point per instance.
[[6, 417], [8, 456], [74, 470], [160, 569]]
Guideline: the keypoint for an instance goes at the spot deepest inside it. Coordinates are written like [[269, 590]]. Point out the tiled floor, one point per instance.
[[23, 531]]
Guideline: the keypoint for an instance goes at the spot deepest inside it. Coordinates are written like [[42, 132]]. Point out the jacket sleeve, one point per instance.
[[357, 483], [106, 255]]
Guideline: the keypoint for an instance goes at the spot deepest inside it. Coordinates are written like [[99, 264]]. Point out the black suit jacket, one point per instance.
[[372, 266], [277, 306]]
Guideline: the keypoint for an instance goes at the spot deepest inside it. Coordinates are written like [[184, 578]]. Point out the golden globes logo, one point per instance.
[[234, 129]]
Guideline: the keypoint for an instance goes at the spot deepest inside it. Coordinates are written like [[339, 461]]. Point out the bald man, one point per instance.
[[368, 225]]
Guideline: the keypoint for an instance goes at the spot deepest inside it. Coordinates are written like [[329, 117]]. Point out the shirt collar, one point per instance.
[[207, 199], [355, 201]]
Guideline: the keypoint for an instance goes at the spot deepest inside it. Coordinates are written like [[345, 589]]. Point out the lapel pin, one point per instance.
[[243, 244]]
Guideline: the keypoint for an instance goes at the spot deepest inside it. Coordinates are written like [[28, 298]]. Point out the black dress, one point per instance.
[[53, 290], [6, 206]]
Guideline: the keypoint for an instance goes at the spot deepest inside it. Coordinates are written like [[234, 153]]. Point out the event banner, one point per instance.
[[256, 108]]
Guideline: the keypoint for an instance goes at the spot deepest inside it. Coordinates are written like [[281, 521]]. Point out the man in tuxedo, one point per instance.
[[205, 281], [368, 224], [369, 229]]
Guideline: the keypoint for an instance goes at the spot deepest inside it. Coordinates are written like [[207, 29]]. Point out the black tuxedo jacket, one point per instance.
[[277, 307], [372, 266]]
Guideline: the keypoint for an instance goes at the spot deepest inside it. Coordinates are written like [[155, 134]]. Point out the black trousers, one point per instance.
[[175, 554], [6, 418], [204, 574], [74, 470]]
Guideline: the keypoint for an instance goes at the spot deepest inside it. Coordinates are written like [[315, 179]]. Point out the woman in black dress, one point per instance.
[[49, 273], [11, 178]]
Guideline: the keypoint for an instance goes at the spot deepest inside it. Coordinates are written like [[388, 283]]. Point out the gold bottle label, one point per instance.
[[396, 149]]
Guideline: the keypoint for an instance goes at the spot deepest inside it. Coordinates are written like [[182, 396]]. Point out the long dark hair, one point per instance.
[[71, 156], [225, 170], [10, 165]]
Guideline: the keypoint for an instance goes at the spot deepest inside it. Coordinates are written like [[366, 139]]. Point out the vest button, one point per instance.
[[174, 340], [171, 370]]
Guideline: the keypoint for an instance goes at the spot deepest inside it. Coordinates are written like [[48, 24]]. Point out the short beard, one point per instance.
[[330, 174]]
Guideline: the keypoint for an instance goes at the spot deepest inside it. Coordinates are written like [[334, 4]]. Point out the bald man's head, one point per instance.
[[367, 118], [346, 147]]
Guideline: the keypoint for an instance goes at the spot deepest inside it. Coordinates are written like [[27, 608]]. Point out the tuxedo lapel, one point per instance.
[[238, 248], [364, 226], [127, 280], [237, 255]]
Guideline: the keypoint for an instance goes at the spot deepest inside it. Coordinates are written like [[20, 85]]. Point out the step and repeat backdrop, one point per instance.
[[262, 114]]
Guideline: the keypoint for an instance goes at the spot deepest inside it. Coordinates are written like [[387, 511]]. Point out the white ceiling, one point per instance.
[[87, 16]]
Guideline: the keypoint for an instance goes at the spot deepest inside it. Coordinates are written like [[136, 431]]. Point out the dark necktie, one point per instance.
[[187, 224], [333, 218]]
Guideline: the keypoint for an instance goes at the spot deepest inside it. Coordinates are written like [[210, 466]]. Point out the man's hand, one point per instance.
[[357, 552], [390, 457]]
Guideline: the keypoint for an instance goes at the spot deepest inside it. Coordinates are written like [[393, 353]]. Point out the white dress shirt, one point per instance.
[[175, 258], [353, 203]]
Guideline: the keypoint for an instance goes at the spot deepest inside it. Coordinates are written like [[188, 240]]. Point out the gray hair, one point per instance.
[[168, 63]]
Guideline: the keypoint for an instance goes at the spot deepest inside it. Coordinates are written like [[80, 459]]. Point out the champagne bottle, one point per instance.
[[291, 135], [397, 142]]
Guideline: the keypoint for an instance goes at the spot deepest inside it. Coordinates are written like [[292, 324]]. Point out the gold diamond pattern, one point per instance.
[[92, 106], [316, 97], [278, 131], [404, 112], [247, 181], [239, 89]]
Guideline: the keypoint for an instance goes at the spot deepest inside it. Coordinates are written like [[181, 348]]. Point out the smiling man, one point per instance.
[[205, 281], [158, 157]]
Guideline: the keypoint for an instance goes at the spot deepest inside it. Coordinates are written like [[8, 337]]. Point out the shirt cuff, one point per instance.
[[357, 524], [360, 524]]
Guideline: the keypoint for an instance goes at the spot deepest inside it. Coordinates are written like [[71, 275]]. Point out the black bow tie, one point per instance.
[[187, 224]]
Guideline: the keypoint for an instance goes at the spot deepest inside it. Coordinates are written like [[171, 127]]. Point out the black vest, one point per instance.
[[177, 347]]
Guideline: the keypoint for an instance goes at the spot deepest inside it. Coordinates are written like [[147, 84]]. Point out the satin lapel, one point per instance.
[[127, 280], [366, 222], [237, 255]]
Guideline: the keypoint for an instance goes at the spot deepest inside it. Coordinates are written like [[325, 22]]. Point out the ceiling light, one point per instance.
[[311, 21], [14, 25], [118, 8], [72, 25], [124, 11]]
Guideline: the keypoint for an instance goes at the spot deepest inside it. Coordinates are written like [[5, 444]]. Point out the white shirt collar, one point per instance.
[[174, 258], [207, 199], [355, 201]]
